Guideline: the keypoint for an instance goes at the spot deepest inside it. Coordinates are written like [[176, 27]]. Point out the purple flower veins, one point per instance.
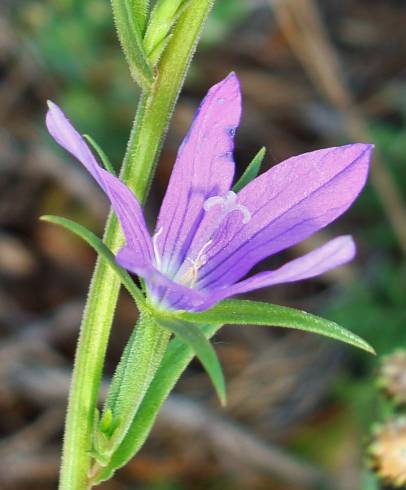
[[207, 237]]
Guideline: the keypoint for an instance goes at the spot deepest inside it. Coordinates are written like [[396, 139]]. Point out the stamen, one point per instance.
[[155, 247], [189, 278], [201, 258]]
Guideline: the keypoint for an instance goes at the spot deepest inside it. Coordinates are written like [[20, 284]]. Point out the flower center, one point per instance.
[[189, 271], [228, 204]]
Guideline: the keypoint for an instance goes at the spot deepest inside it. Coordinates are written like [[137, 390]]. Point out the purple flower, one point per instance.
[[207, 237]]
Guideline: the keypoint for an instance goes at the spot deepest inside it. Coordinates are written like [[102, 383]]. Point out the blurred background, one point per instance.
[[301, 409]]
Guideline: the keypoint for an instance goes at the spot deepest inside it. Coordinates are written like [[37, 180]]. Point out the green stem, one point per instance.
[[151, 122]]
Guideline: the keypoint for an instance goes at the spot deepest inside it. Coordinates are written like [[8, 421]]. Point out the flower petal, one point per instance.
[[287, 204], [334, 253], [123, 201], [204, 168]]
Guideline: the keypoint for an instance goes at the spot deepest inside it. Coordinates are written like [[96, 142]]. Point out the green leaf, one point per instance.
[[193, 336], [140, 8], [245, 312], [130, 36], [101, 154], [163, 17], [176, 359], [251, 171], [158, 49], [95, 242], [135, 371]]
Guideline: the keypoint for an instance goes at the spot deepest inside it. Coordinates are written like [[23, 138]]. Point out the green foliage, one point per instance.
[[369, 481], [245, 312]]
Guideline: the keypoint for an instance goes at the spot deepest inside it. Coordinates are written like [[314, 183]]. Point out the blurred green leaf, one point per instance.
[[246, 312], [369, 481]]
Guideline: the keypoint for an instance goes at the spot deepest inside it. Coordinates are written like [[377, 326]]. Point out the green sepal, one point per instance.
[[192, 335], [130, 36], [97, 244], [101, 154], [251, 171], [244, 312]]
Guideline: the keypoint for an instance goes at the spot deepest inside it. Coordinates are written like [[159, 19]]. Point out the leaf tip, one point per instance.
[[370, 350], [223, 399], [46, 217]]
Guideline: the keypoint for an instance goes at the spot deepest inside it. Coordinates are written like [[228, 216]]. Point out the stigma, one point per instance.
[[228, 204]]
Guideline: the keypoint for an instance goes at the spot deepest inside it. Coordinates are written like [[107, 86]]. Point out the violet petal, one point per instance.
[[123, 201], [334, 253], [288, 203], [204, 167]]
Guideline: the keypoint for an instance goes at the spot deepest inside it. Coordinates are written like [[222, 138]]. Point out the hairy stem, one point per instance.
[[151, 122]]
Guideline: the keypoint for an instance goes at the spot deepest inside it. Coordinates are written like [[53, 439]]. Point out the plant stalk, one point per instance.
[[150, 126]]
